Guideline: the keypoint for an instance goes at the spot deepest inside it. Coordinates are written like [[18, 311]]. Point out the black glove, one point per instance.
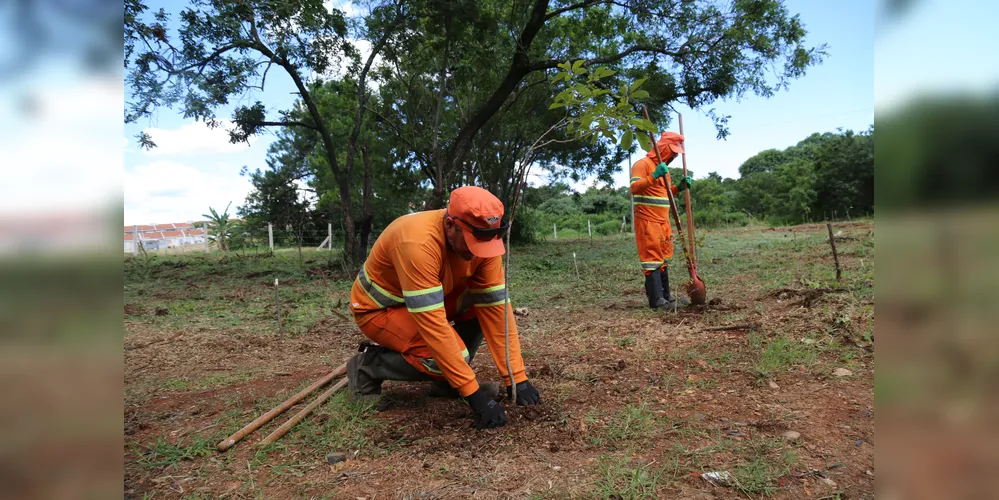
[[488, 413], [526, 394]]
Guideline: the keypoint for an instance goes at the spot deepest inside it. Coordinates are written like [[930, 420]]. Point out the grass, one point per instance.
[[778, 355], [163, 453], [234, 294], [236, 290], [338, 425], [629, 426], [620, 478], [763, 463]]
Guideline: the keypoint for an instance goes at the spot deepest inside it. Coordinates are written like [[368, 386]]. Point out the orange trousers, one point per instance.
[[395, 329], [655, 244]]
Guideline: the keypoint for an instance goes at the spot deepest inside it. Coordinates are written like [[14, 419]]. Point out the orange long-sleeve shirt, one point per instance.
[[410, 265], [651, 199]]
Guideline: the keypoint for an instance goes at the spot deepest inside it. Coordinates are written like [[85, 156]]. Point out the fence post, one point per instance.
[[329, 232], [135, 240], [589, 231], [270, 236], [555, 229]]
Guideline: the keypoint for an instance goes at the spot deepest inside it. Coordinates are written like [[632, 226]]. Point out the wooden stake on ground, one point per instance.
[[277, 302], [228, 442], [832, 243], [298, 417]]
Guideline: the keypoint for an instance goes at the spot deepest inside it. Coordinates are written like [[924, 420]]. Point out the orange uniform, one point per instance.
[[412, 286], [652, 230]]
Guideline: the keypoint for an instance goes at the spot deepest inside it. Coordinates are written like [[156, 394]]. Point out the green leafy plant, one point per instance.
[[595, 111], [220, 228]]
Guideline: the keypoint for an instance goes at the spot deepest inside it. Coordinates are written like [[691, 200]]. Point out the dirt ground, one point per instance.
[[770, 384]]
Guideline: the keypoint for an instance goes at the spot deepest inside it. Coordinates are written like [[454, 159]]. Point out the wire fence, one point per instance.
[[248, 240]]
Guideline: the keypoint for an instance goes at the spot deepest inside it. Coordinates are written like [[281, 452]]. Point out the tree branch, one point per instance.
[[580, 5], [519, 68], [643, 48], [284, 124]]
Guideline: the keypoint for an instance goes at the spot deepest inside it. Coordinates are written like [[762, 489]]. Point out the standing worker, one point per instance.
[[426, 270], [652, 232]]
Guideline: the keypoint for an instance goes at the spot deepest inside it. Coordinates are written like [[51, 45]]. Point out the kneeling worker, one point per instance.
[[428, 269]]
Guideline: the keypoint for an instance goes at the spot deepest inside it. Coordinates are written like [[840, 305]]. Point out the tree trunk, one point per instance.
[[367, 214], [519, 68], [436, 200], [349, 238]]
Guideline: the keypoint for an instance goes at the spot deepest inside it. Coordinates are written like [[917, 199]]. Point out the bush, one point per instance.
[[569, 233], [608, 227], [716, 218], [526, 226]]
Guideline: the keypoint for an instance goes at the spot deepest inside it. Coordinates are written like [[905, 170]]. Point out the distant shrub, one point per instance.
[[608, 227]]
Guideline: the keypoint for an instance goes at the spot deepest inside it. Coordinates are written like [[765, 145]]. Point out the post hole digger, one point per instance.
[[652, 232]]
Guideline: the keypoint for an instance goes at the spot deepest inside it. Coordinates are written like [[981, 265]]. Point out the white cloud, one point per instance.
[[305, 192], [165, 191], [194, 138], [59, 155], [348, 8]]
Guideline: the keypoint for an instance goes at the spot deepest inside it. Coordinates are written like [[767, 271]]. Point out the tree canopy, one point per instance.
[[448, 93]]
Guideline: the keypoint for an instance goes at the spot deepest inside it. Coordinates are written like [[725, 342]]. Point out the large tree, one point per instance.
[[458, 67], [222, 51], [463, 85]]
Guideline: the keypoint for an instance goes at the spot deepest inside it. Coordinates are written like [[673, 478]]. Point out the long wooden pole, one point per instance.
[[686, 194], [285, 427], [672, 200], [228, 442]]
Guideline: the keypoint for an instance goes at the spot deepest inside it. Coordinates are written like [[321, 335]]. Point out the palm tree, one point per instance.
[[220, 227]]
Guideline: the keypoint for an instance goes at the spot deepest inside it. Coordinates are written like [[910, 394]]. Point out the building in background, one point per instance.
[[158, 236]]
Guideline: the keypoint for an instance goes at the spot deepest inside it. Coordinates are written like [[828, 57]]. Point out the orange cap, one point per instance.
[[480, 216], [669, 142]]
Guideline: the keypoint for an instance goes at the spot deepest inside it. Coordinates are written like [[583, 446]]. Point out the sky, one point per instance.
[[195, 167]]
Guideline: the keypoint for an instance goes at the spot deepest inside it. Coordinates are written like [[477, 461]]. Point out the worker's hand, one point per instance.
[[660, 171], [527, 395], [684, 183], [488, 413]]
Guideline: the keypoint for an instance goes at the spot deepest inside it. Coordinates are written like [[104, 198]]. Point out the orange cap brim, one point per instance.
[[483, 249], [670, 147]]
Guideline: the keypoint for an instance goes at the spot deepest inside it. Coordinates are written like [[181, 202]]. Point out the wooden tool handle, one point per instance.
[[228, 442]]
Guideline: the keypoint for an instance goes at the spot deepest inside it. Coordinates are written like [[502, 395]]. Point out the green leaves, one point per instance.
[[645, 142], [594, 112], [643, 124]]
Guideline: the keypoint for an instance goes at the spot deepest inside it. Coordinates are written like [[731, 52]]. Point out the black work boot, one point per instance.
[[470, 333], [654, 290], [368, 369], [670, 299]]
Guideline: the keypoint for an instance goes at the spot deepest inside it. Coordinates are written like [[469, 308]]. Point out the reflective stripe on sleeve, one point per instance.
[[428, 299], [378, 294], [492, 296]]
